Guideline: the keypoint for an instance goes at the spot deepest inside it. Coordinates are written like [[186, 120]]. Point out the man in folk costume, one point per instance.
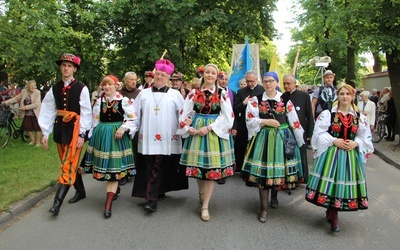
[[148, 80], [159, 147], [66, 111]]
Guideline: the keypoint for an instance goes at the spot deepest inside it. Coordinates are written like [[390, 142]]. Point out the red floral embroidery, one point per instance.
[[229, 172], [263, 109], [175, 137], [336, 128], [130, 102], [321, 199], [354, 128], [367, 155], [180, 111], [254, 104], [188, 172], [195, 172], [296, 124], [337, 203], [290, 107], [199, 97], [279, 110], [182, 124], [214, 99], [365, 203], [233, 115], [214, 175], [250, 115], [311, 195], [158, 137], [352, 204]]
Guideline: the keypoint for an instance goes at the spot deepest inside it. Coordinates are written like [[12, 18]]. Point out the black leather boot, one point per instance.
[[107, 210], [80, 189], [59, 198]]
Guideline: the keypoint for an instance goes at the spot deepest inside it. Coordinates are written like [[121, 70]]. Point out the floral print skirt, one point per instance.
[[107, 158], [207, 157], [337, 180], [265, 165]]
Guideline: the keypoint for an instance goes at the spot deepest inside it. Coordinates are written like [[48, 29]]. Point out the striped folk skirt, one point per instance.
[[265, 165], [337, 180], [108, 158], [207, 157]]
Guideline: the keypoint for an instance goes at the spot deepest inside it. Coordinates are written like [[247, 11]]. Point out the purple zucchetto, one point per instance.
[[165, 66], [273, 75]]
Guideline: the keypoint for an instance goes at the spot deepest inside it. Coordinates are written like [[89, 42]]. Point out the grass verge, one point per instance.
[[26, 169]]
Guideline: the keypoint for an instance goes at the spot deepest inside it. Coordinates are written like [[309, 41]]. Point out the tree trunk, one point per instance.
[[351, 67], [393, 63], [377, 62]]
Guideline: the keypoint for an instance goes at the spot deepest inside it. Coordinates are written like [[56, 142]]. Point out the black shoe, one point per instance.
[[79, 195], [123, 181], [221, 181], [263, 217], [117, 193], [389, 139], [151, 206], [161, 197]]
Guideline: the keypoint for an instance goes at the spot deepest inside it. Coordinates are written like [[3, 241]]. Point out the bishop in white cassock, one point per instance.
[[159, 147]]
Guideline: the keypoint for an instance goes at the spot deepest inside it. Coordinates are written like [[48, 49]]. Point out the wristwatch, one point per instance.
[[82, 135]]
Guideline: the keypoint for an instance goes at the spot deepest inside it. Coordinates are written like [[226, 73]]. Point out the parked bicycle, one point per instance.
[[9, 128], [379, 131]]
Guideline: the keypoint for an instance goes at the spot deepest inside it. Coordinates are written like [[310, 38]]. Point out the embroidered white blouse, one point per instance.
[[322, 139], [253, 119]]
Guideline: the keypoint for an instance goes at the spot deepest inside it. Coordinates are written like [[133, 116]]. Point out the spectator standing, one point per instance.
[[29, 102], [324, 96], [367, 108], [392, 117], [10, 93]]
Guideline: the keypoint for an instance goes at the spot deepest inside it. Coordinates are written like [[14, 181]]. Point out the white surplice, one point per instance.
[[157, 128]]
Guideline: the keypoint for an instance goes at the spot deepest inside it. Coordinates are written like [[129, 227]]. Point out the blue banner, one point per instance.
[[242, 65]]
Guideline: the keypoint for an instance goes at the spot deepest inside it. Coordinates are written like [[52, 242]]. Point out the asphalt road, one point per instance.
[[296, 224]]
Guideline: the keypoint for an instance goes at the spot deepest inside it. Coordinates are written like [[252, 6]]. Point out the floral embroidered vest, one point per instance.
[[206, 102], [278, 111], [344, 128]]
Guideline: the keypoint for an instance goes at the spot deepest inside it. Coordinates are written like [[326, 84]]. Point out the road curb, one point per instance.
[[387, 159], [22, 206]]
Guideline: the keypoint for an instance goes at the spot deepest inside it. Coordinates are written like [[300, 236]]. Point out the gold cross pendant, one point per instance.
[[156, 109]]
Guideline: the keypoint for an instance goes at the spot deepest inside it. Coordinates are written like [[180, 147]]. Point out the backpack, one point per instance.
[[326, 97]]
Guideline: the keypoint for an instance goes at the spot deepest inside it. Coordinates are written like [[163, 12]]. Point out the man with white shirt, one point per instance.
[[66, 111]]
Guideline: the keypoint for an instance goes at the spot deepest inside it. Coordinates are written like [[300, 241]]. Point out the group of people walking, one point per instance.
[[162, 138]]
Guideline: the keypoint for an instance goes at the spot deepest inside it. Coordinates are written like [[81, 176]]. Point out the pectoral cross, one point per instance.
[[156, 109]]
